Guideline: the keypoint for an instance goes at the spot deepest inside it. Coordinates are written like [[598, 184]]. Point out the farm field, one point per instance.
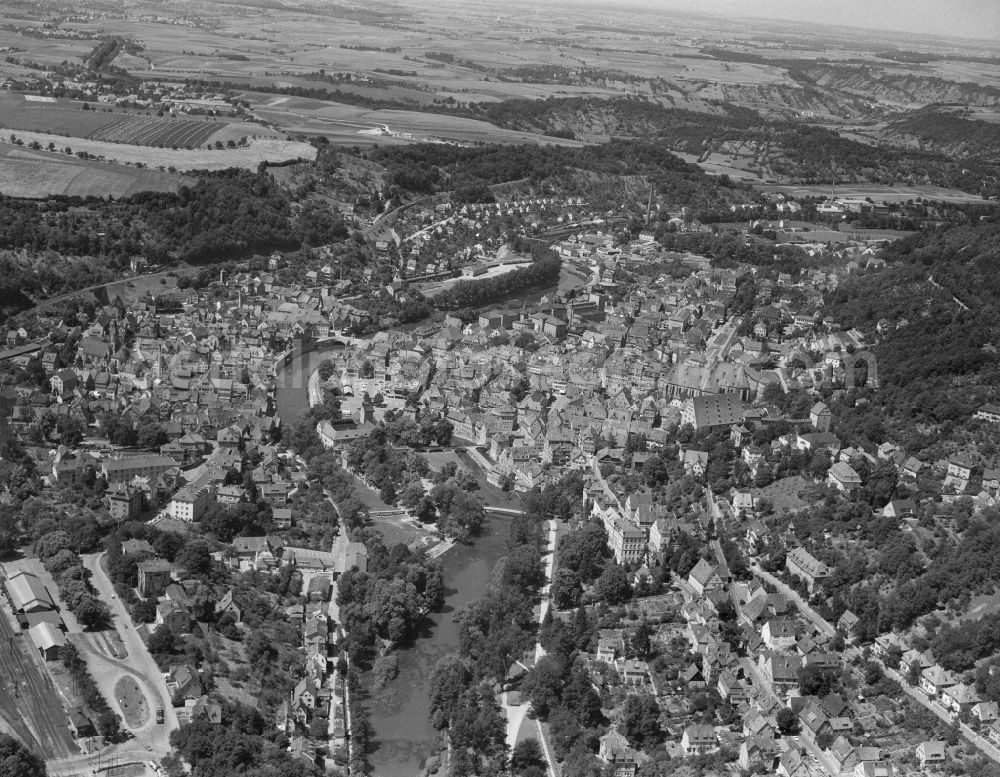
[[343, 123], [67, 116], [119, 125], [35, 174], [261, 150], [878, 192], [152, 131]]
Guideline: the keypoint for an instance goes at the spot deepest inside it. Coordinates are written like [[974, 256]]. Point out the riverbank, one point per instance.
[[315, 393]]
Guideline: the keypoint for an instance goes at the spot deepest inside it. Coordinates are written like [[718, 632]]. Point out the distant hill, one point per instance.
[[943, 130]]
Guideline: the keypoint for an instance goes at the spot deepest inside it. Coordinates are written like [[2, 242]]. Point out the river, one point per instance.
[[400, 714]]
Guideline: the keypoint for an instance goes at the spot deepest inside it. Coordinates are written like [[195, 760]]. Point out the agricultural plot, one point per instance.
[[35, 174], [65, 116], [352, 125], [158, 132], [247, 157], [878, 192]]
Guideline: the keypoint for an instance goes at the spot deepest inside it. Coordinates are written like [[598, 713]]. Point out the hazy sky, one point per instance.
[[964, 18]]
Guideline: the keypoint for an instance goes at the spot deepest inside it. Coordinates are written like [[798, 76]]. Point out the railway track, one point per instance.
[[28, 698]]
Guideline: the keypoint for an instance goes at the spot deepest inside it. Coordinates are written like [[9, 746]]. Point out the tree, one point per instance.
[[787, 722], [450, 676], [392, 606], [873, 673], [50, 544], [641, 641], [580, 698], [641, 721], [584, 551], [144, 611], [465, 518], [564, 729], [162, 641], [566, 589], [953, 733], [544, 684], [318, 727], [152, 435], [196, 558], [527, 759], [613, 585], [260, 651], [384, 670], [9, 535], [654, 472], [815, 681], [92, 613], [18, 761], [62, 561]]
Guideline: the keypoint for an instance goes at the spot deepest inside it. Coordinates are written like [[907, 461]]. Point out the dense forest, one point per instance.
[[943, 129], [469, 295], [798, 152], [224, 215], [430, 168], [937, 355]]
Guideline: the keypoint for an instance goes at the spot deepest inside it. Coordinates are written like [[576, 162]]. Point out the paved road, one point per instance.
[[515, 715], [139, 664], [816, 619], [987, 748], [78, 765], [549, 560], [759, 681]]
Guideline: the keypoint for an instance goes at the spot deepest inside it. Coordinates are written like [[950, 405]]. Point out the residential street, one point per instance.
[[803, 606], [988, 748], [139, 663], [515, 715]]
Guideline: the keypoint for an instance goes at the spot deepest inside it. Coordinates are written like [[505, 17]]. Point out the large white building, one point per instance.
[[626, 540], [189, 504]]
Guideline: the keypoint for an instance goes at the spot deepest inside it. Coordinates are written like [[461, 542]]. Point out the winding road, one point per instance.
[[139, 664]]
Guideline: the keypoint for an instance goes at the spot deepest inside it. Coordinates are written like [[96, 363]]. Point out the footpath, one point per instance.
[[515, 714]]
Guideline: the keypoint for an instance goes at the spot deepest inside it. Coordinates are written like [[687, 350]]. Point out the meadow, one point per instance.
[[343, 124], [123, 125], [247, 157], [37, 174]]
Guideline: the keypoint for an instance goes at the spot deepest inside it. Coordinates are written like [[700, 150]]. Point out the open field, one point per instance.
[[119, 125], [181, 133], [784, 493], [34, 174], [66, 116], [344, 123], [878, 192], [46, 51], [248, 157], [471, 53]]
